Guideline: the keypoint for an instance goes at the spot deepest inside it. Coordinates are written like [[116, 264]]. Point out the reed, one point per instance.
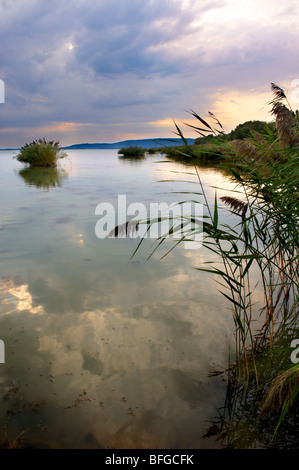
[[265, 171], [6, 442], [41, 153], [132, 151]]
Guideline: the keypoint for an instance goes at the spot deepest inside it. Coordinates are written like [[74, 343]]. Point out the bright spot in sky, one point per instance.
[[185, 4], [106, 75]]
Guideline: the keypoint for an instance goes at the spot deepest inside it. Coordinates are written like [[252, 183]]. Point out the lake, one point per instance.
[[101, 350]]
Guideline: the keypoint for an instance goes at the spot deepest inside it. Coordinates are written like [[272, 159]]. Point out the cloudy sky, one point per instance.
[[108, 70]]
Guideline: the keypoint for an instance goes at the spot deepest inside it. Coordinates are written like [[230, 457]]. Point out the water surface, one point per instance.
[[103, 351]]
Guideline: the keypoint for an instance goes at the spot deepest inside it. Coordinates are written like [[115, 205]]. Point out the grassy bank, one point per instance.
[[132, 152], [217, 146], [196, 154]]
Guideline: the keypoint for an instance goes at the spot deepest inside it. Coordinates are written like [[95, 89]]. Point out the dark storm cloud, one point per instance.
[[116, 36]]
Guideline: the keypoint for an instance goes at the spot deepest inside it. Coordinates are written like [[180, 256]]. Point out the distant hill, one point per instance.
[[11, 149], [144, 143]]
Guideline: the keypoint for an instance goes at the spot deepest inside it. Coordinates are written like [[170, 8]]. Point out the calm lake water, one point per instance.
[[100, 350]]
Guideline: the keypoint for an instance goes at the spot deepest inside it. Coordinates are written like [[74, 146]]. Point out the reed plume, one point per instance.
[[238, 206], [282, 394], [286, 124], [281, 390], [279, 94]]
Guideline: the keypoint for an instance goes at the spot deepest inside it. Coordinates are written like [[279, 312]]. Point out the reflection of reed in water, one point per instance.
[[132, 160], [43, 178]]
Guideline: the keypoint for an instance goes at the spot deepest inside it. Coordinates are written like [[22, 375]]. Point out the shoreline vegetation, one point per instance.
[[261, 405], [41, 153], [211, 149]]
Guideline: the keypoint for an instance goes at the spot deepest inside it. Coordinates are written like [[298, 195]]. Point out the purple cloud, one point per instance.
[[100, 70]]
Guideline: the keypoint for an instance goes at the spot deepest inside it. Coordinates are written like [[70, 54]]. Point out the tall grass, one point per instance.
[[6, 442], [264, 241], [41, 153], [266, 416]]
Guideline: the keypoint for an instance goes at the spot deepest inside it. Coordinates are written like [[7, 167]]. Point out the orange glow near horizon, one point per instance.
[[229, 106], [63, 127], [233, 108]]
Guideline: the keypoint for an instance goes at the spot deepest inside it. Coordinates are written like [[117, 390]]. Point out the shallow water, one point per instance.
[[100, 350]]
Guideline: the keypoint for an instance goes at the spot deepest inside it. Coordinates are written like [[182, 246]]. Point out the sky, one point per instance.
[[109, 70]]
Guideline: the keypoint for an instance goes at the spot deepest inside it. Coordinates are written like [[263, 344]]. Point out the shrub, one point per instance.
[[195, 154], [41, 153], [132, 152], [152, 151]]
